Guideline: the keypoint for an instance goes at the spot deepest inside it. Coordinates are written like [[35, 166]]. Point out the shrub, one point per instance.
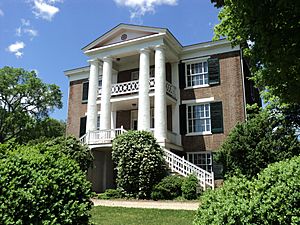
[[254, 144], [110, 194], [169, 188], [42, 188], [272, 198], [139, 163], [189, 187], [71, 147]]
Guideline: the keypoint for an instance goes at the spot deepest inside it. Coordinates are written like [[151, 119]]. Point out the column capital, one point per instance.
[[94, 61], [161, 47], [144, 50], [107, 59]]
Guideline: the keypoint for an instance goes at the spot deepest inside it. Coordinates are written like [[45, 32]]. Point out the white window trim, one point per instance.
[[194, 61], [195, 86], [187, 120], [198, 100]]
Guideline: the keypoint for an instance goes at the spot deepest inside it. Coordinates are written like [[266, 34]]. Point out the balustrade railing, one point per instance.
[[185, 168], [131, 87], [101, 136]]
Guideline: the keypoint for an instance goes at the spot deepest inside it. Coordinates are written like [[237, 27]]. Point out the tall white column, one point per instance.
[[105, 118], [144, 101], [92, 112], [160, 108]]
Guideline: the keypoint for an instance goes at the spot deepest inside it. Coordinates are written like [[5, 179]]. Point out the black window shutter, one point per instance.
[[82, 129], [85, 91], [181, 70], [182, 117], [213, 71], [216, 113]]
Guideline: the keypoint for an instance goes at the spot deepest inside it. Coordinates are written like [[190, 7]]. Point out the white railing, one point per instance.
[[185, 168], [131, 87], [101, 136]]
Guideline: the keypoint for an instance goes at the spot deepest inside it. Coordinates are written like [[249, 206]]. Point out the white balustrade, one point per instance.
[[185, 168], [101, 136], [131, 87]]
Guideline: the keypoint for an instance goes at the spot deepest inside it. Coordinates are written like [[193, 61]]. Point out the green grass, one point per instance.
[[132, 216]]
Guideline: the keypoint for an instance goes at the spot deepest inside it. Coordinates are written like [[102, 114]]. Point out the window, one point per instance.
[[197, 74], [85, 91], [135, 74], [134, 119], [98, 122], [201, 159], [199, 118]]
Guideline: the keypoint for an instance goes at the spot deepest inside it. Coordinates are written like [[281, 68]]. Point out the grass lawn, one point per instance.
[[123, 216]]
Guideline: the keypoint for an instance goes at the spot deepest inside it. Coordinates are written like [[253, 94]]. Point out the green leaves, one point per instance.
[[24, 99], [272, 198], [272, 28], [39, 186], [263, 139], [139, 163]]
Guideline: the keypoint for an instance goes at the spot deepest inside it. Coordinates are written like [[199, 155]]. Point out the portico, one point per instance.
[[142, 89]]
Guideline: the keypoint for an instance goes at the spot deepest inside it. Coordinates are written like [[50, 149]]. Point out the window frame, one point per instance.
[[190, 62], [84, 100], [193, 133], [206, 164]]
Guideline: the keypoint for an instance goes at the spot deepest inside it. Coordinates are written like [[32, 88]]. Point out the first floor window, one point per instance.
[[201, 159], [199, 120]]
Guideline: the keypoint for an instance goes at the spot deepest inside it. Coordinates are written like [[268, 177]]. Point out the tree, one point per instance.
[[24, 100], [269, 33], [271, 198], [139, 163], [265, 138]]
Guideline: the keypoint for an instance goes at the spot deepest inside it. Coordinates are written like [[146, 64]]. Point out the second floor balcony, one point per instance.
[[132, 87]]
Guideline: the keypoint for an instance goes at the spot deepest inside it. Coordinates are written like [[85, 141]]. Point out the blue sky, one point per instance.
[[47, 35]]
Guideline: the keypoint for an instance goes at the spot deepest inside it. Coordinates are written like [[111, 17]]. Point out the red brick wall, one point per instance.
[[230, 92], [76, 108]]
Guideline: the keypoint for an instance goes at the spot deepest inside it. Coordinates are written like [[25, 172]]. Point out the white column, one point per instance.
[[105, 118], [92, 112], [144, 101], [160, 108], [175, 108]]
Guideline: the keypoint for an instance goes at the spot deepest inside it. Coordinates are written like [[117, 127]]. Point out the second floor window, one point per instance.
[[197, 74]]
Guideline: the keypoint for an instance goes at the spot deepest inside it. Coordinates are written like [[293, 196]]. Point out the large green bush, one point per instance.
[[189, 187], [71, 147], [41, 186], [252, 145], [168, 188], [272, 198], [139, 163]]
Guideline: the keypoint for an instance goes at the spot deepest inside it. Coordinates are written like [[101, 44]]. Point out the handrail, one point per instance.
[[184, 167]]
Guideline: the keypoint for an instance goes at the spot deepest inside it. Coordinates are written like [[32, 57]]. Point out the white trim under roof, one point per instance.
[[77, 70]]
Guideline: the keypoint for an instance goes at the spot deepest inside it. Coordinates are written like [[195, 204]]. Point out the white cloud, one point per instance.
[[19, 31], [25, 28], [16, 48], [25, 23], [43, 9], [139, 8], [1, 12], [31, 32]]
